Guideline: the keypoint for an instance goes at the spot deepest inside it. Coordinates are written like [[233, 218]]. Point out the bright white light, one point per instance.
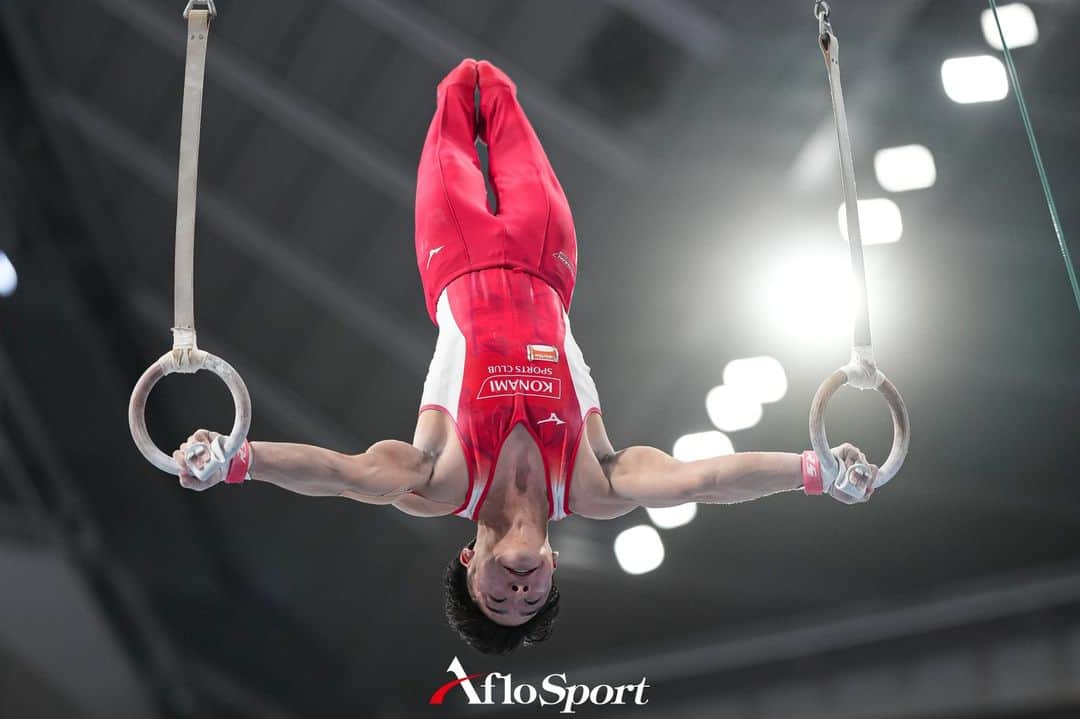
[[1017, 22], [672, 517], [639, 549], [879, 221], [908, 167], [731, 408], [808, 295], [9, 279], [702, 445], [974, 79], [762, 378]]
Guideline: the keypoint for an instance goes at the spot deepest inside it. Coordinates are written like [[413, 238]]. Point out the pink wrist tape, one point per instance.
[[238, 467], [811, 473]]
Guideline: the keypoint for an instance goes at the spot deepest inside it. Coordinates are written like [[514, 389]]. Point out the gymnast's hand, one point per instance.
[[188, 480], [849, 455]]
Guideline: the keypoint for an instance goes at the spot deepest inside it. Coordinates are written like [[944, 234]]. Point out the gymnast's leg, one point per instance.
[[530, 201], [451, 198]]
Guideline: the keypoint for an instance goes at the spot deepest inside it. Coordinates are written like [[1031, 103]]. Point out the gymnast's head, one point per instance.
[[502, 595]]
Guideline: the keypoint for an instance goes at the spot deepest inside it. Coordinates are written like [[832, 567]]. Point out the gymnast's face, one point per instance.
[[510, 587]]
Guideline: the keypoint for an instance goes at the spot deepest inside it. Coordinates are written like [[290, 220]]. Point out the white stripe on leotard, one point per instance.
[[442, 387], [584, 387], [447, 370]]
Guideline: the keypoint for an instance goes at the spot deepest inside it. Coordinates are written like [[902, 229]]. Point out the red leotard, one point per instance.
[[498, 286]]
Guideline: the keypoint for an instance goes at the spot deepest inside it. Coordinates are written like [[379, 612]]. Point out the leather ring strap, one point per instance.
[[861, 372], [830, 49], [188, 179], [185, 356]]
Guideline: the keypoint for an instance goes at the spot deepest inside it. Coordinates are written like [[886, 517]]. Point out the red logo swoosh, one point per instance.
[[441, 692]]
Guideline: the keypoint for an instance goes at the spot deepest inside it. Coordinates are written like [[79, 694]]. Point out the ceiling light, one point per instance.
[[908, 167], [1017, 23], [672, 517], [880, 221], [731, 408], [974, 79], [763, 378], [702, 445], [9, 278], [639, 549]]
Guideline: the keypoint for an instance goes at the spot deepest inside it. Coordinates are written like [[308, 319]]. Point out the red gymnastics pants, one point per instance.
[[531, 230]]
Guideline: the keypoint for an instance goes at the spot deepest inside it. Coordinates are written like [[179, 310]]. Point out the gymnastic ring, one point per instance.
[[187, 361], [901, 427]]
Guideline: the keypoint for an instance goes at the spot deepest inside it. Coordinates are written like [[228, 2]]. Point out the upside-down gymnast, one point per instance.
[[509, 433]]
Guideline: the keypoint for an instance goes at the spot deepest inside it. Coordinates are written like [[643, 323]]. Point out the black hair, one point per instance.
[[484, 634]]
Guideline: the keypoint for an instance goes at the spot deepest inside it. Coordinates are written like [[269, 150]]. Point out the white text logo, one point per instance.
[[508, 385], [554, 691], [518, 369]]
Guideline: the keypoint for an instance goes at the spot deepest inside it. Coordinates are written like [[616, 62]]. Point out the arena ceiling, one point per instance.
[[689, 141]]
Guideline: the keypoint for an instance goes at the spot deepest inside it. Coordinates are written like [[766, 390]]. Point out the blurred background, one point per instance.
[[695, 142]]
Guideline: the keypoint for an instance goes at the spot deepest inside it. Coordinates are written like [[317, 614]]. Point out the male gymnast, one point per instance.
[[509, 433]]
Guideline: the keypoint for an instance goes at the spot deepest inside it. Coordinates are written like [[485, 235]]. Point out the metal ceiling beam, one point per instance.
[[18, 527], [696, 31], [69, 520], [238, 698], [259, 243], [280, 406], [17, 476], [341, 142], [27, 519], [1011, 597], [432, 38], [85, 545], [75, 528], [1021, 669]]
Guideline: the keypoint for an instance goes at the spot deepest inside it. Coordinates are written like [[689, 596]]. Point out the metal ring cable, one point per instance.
[[1043, 178]]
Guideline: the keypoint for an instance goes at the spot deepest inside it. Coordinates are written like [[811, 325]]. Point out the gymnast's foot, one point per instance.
[[491, 76], [464, 74]]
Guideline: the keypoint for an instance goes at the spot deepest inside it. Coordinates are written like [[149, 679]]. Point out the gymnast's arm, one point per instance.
[[648, 477], [651, 478], [385, 472]]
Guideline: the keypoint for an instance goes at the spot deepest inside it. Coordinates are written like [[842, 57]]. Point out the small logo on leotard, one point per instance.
[[542, 353], [431, 255], [553, 418], [565, 259]]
